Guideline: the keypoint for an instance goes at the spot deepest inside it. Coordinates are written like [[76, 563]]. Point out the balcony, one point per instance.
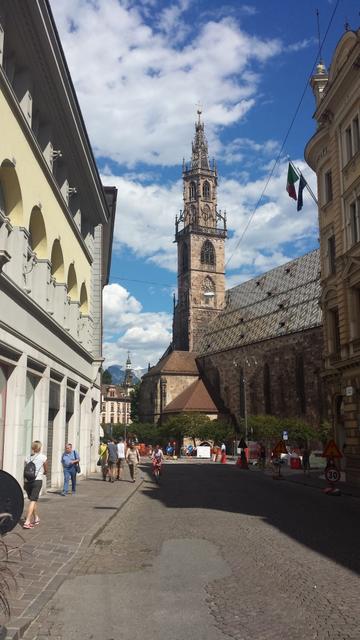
[[203, 231]]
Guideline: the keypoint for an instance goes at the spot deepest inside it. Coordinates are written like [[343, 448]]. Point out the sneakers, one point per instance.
[[63, 493]]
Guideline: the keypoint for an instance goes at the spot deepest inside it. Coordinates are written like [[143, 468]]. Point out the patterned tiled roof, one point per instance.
[[195, 398], [282, 301], [180, 362]]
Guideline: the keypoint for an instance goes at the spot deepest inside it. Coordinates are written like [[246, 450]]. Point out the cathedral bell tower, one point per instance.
[[200, 232]]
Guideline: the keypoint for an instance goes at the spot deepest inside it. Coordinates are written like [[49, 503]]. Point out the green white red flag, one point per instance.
[[292, 177]]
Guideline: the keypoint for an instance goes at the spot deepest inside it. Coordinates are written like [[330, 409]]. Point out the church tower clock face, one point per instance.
[[200, 235]]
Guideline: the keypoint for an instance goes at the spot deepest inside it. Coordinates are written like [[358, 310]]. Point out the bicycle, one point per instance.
[[157, 471]]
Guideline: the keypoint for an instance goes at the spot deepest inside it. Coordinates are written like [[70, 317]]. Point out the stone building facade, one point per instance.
[[115, 404], [56, 225], [334, 154], [262, 354]]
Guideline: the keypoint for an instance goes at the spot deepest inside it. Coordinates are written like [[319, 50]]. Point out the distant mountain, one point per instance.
[[118, 373]]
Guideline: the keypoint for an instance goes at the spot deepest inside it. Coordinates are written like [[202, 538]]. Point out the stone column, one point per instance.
[[15, 404]]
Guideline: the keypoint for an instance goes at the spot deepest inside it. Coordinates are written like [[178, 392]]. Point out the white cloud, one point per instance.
[[139, 86], [146, 214], [128, 327]]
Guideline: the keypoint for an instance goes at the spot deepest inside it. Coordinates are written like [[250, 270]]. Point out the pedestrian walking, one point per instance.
[[70, 461], [306, 459], [35, 470], [102, 462], [262, 456], [121, 458], [223, 453], [112, 457], [133, 459]]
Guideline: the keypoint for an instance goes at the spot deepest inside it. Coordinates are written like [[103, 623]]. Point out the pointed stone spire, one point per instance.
[[128, 379], [200, 155]]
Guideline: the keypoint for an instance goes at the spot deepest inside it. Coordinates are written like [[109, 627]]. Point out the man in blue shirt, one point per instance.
[[69, 460]]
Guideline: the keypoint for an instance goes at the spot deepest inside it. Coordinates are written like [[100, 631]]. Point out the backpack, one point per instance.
[[30, 471]]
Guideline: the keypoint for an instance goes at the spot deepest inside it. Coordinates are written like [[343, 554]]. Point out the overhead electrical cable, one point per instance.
[[277, 160]]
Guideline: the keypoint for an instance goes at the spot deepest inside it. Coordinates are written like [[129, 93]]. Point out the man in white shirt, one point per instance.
[[121, 458]]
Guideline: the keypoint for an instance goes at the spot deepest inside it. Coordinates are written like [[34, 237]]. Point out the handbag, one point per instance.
[[77, 466], [98, 464]]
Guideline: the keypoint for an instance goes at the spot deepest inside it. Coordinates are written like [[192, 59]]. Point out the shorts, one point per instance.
[[121, 463], [111, 463], [33, 489]]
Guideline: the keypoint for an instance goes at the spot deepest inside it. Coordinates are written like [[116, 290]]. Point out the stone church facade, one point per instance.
[[256, 348]]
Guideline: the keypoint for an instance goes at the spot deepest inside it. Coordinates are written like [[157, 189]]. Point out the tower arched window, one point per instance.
[[192, 191], [206, 190], [208, 253], [267, 388], [185, 258]]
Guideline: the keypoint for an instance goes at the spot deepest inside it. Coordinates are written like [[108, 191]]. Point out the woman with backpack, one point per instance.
[[35, 470]]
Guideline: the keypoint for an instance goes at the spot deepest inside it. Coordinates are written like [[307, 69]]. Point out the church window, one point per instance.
[[206, 190], [267, 389], [300, 382], [242, 394], [185, 258], [192, 191], [208, 253], [192, 215]]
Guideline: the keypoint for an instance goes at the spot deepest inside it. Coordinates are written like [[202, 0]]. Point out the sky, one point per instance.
[[141, 69]]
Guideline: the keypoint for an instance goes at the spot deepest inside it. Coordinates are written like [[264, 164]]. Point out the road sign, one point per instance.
[[332, 474], [285, 435], [331, 450], [279, 449]]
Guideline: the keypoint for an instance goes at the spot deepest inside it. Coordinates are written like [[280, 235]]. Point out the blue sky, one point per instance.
[[139, 69]]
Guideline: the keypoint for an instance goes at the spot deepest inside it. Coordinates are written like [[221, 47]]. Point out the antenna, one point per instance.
[[318, 30]]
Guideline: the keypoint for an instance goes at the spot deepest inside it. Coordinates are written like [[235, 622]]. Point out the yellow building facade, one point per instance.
[[56, 225], [334, 154]]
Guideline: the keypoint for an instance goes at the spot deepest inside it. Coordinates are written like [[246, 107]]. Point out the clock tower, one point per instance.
[[200, 232]]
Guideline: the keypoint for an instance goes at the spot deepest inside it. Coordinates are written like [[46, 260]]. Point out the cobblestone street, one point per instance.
[[216, 553]]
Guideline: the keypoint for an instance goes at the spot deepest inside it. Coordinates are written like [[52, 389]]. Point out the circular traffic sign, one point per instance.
[[332, 474]]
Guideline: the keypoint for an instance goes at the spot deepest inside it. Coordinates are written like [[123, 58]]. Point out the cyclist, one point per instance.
[[157, 458]]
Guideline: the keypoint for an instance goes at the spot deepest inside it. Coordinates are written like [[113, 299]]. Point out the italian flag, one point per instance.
[[292, 177]]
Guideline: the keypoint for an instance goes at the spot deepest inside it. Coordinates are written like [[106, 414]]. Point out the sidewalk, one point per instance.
[[41, 558]]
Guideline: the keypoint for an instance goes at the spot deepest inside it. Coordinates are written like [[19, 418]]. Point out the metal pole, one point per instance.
[[245, 412]]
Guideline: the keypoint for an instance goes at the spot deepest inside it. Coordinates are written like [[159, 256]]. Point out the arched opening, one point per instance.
[[57, 262], [207, 253], [192, 191], [38, 240], [84, 308], [72, 283], [10, 194], [206, 190]]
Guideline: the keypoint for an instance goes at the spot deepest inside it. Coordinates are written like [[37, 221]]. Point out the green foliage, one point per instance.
[[325, 432], [196, 426], [270, 428], [135, 397], [106, 377]]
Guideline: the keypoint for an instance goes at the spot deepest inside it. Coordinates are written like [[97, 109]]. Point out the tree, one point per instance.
[[135, 398], [106, 377]]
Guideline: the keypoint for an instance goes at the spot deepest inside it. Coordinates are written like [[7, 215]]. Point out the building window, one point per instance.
[[328, 187], [354, 221], [334, 330], [348, 144], [208, 253], [267, 389], [206, 190], [356, 134], [209, 291], [192, 191], [331, 254], [242, 394], [112, 393]]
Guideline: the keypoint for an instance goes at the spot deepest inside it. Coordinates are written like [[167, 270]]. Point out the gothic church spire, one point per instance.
[[200, 154]]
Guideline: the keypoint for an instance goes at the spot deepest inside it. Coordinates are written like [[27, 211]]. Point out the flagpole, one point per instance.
[[298, 173]]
